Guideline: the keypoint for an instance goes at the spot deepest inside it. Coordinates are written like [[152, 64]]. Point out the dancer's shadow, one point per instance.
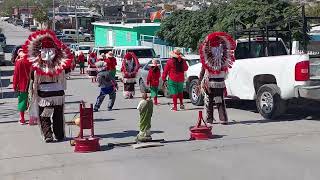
[[125, 134]]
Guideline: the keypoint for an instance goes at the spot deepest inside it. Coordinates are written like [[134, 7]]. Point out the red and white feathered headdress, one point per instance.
[[217, 52], [46, 39]]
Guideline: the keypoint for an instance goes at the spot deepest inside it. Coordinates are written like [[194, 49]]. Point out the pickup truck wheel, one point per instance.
[[196, 99], [269, 102], [86, 39], [143, 88]]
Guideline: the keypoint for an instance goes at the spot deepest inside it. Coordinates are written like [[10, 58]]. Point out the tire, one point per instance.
[[86, 39], [165, 90], [143, 88], [195, 99], [269, 102]]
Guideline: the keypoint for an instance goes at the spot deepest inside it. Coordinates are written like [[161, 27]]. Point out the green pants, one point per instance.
[[154, 91], [22, 101], [113, 73], [175, 87], [81, 64]]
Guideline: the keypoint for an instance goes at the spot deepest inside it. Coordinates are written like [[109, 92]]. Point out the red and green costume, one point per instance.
[[153, 81], [111, 65], [175, 69]]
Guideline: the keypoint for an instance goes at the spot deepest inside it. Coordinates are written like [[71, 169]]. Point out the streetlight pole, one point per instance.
[[53, 16], [77, 28]]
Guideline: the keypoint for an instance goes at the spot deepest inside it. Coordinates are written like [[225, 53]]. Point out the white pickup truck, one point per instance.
[[271, 77]]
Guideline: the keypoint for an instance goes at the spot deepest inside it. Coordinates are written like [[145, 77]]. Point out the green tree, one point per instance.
[[187, 29], [41, 16]]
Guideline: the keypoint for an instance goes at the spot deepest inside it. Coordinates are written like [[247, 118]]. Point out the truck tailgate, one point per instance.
[[314, 67]]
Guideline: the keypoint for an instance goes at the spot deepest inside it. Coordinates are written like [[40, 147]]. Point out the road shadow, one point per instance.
[[125, 134], [290, 116], [242, 105], [120, 109], [104, 120], [73, 102], [77, 78]]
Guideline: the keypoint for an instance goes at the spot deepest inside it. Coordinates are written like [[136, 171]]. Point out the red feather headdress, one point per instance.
[[47, 39], [217, 52]]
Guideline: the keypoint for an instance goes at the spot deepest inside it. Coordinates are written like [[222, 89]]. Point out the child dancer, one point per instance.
[[153, 80]]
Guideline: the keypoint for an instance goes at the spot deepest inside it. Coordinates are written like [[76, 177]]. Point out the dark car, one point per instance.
[[18, 22], [26, 24]]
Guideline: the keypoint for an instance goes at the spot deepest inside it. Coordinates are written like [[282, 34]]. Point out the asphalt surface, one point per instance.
[[249, 148]]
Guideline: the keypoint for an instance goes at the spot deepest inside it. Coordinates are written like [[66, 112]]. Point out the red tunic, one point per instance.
[[21, 75], [92, 56], [170, 69], [111, 63], [153, 78], [81, 58]]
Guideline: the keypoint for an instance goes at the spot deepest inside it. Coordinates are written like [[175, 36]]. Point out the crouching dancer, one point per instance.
[[107, 84]]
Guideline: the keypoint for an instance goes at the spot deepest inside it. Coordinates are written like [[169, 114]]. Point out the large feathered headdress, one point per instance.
[[47, 39], [217, 52]]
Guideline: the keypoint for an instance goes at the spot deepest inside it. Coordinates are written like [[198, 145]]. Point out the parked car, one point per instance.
[[3, 40], [271, 80], [100, 50], [144, 53], [73, 33], [67, 40], [73, 47], [83, 48], [26, 24], [2, 56], [33, 28], [18, 22]]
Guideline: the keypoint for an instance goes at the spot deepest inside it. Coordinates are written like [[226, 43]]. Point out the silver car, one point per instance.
[[143, 74]]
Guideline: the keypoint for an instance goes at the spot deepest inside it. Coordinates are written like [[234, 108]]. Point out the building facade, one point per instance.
[[122, 34]]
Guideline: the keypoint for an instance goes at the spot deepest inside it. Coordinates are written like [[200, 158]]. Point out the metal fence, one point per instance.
[[160, 47]]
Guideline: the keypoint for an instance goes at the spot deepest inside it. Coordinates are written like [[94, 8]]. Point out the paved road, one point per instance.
[[250, 148], [16, 35]]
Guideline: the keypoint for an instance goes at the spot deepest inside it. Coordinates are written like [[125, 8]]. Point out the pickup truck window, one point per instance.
[[143, 53], [276, 48]]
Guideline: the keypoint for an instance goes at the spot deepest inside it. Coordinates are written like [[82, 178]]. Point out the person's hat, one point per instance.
[[176, 53], [154, 63], [101, 65], [109, 54]]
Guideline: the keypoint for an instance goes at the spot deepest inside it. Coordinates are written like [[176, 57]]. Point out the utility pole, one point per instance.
[[53, 16], [76, 16]]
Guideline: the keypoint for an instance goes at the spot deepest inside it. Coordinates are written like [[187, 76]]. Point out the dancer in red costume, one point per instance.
[[81, 61], [92, 70], [21, 77], [129, 69], [175, 69], [153, 80]]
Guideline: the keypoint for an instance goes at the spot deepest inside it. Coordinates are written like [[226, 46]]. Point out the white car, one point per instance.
[[83, 48], [101, 50], [269, 80], [144, 54]]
